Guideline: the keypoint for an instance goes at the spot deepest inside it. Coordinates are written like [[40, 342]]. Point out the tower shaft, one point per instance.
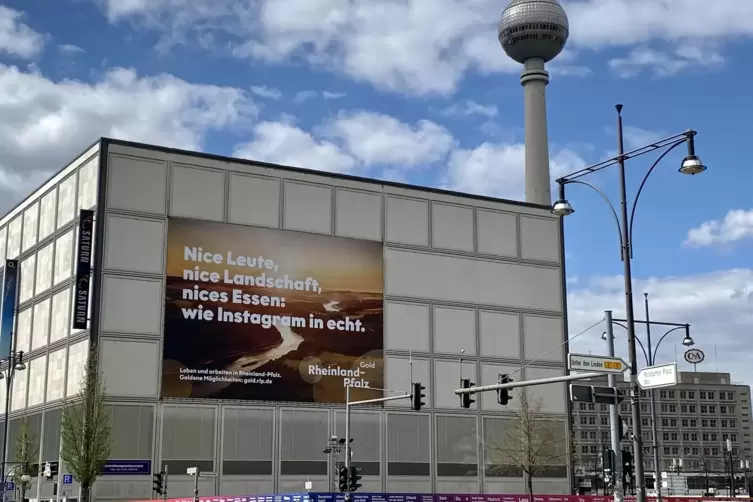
[[534, 80]]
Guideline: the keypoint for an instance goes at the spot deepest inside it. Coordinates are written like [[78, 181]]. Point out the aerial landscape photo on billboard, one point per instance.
[[271, 315]]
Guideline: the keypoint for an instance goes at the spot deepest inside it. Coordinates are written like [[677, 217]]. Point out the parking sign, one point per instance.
[[67, 479]]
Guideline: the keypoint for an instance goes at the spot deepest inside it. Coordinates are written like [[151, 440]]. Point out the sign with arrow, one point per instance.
[[653, 377], [602, 364]]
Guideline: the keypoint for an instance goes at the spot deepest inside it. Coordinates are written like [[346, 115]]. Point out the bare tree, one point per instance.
[[531, 441], [86, 433], [26, 449]]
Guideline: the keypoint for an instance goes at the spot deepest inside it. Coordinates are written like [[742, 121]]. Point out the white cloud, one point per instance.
[[16, 37], [718, 306], [735, 226], [425, 47], [470, 108], [266, 92], [70, 49], [286, 144], [303, 96], [376, 138], [497, 169], [45, 123], [667, 63]]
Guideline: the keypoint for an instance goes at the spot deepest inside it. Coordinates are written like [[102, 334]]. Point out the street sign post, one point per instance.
[[192, 471], [602, 364], [207, 474], [597, 395], [653, 377]]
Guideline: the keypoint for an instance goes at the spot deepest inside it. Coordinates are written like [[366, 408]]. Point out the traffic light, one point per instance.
[[503, 395], [465, 399], [342, 482], [157, 483], [354, 479], [417, 396]]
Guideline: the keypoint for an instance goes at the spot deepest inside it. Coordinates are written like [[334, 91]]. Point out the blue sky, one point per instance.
[[421, 92]]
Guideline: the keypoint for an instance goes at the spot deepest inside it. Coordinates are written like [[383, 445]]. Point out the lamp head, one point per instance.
[[692, 164], [604, 336], [562, 208], [688, 341], [25, 478]]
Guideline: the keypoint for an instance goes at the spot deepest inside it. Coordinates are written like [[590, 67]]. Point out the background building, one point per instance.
[[695, 418], [460, 273]]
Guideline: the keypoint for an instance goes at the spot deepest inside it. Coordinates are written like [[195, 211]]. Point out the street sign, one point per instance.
[[653, 377], [10, 486], [66, 490], [603, 364], [207, 474], [67, 479], [191, 471], [594, 394]]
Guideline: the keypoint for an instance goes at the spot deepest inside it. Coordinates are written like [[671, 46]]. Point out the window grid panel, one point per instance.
[[66, 201], [47, 214], [63, 257], [60, 316], [44, 269], [13, 248], [23, 330], [31, 224], [28, 269], [77, 358], [40, 328], [37, 376], [56, 375]]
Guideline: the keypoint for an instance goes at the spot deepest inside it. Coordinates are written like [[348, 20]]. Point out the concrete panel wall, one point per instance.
[[461, 274]]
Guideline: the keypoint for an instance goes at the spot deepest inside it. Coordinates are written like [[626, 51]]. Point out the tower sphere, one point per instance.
[[533, 29]]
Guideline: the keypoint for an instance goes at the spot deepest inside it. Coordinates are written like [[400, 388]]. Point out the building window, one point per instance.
[[705, 437], [733, 423], [694, 437], [693, 422], [702, 394], [675, 450], [665, 422], [683, 394], [584, 449], [603, 407], [604, 421], [724, 424], [582, 406], [671, 394], [592, 434], [663, 394], [673, 408], [684, 408], [715, 451], [711, 394], [712, 423], [591, 407], [665, 436], [712, 409], [252, 454], [583, 420], [691, 394], [667, 450], [591, 420], [695, 451], [704, 408], [685, 436], [644, 422], [664, 408], [673, 422], [456, 448], [704, 423], [713, 437], [692, 408], [673, 436], [685, 422]]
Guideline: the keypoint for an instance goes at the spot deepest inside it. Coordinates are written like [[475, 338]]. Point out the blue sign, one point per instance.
[[67, 479], [8, 309], [10, 486], [127, 467]]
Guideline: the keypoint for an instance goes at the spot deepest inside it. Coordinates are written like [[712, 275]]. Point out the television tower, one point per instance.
[[533, 32]]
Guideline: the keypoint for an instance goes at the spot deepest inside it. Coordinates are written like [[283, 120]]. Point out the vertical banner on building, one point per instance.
[[8, 309], [83, 269]]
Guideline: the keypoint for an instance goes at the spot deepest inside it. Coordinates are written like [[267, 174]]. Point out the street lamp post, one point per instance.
[[691, 164], [745, 467], [14, 362], [649, 354]]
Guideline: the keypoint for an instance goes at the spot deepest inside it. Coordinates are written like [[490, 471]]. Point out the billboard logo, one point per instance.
[[694, 356], [254, 313], [83, 269]]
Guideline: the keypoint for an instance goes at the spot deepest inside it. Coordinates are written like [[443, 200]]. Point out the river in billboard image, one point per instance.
[[271, 315]]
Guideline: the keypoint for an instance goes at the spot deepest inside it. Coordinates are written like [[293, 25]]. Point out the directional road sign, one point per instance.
[[653, 377], [207, 474], [603, 364], [192, 471], [598, 395]]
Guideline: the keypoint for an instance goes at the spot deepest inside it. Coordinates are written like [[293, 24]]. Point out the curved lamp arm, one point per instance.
[[640, 189], [656, 349], [640, 343], [611, 206]]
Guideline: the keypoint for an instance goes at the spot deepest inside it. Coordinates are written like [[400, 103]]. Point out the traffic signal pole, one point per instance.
[[526, 383], [348, 404]]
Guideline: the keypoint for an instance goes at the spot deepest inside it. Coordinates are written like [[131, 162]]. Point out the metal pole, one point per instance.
[[347, 438], [522, 383], [640, 480], [614, 417], [654, 423], [196, 486], [164, 486], [5, 424]]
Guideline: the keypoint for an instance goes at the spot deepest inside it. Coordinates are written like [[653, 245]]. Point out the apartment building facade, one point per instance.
[[694, 420]]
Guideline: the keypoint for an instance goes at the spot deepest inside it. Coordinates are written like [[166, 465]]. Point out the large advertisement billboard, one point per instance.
[[8, 303], [272, 315]]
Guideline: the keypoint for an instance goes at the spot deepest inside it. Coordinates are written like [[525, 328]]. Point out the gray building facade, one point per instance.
[[694, 420], [461, 273]]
